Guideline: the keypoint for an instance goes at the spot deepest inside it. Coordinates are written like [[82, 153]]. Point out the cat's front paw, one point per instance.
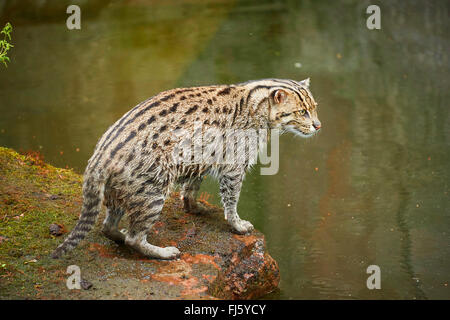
[[242, 226]]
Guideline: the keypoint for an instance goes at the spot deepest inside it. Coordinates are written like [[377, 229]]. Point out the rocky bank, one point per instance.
[[39, 204]]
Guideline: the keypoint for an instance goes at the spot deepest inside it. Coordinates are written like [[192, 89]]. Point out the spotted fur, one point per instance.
[[132, 168]]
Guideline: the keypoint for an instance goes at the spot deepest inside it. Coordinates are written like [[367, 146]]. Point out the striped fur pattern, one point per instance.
[[132, 169]]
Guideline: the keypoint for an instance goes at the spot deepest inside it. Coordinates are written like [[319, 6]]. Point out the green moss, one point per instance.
[[33, 195]]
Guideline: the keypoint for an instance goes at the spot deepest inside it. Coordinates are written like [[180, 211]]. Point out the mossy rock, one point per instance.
[[215, 263]]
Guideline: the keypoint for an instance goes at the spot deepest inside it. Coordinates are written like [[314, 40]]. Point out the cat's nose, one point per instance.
[[317, 125]]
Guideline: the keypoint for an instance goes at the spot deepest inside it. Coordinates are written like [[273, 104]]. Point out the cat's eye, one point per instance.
[[302, 112]]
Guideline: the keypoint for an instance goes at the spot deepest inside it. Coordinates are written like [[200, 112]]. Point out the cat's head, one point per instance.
[[294, 109]]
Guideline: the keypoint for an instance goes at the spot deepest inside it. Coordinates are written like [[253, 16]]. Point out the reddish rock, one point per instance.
[[249, 274], [215, 263]]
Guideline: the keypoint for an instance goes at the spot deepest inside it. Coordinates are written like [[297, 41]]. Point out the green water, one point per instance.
[[371, 188]]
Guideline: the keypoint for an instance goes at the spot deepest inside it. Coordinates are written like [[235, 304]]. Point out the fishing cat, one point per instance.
[[133, 168]]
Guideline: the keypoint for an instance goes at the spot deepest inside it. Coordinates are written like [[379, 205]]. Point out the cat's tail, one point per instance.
[[93, 195]]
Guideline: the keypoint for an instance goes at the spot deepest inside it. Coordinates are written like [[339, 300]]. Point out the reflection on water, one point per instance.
[[372, 188]]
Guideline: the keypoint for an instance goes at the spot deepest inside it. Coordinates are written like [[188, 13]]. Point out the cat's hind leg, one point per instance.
[[111, 222], [144, 209]]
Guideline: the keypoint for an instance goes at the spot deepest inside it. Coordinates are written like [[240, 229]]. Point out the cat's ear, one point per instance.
[[305, 82], [279, 96]]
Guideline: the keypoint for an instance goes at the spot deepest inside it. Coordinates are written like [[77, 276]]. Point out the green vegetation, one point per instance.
[[33, 195], [4, 44]]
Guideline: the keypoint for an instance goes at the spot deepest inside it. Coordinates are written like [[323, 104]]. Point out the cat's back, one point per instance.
[[147, 129]]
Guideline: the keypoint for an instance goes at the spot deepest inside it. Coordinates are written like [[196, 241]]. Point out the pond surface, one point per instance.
[[371, 189]]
